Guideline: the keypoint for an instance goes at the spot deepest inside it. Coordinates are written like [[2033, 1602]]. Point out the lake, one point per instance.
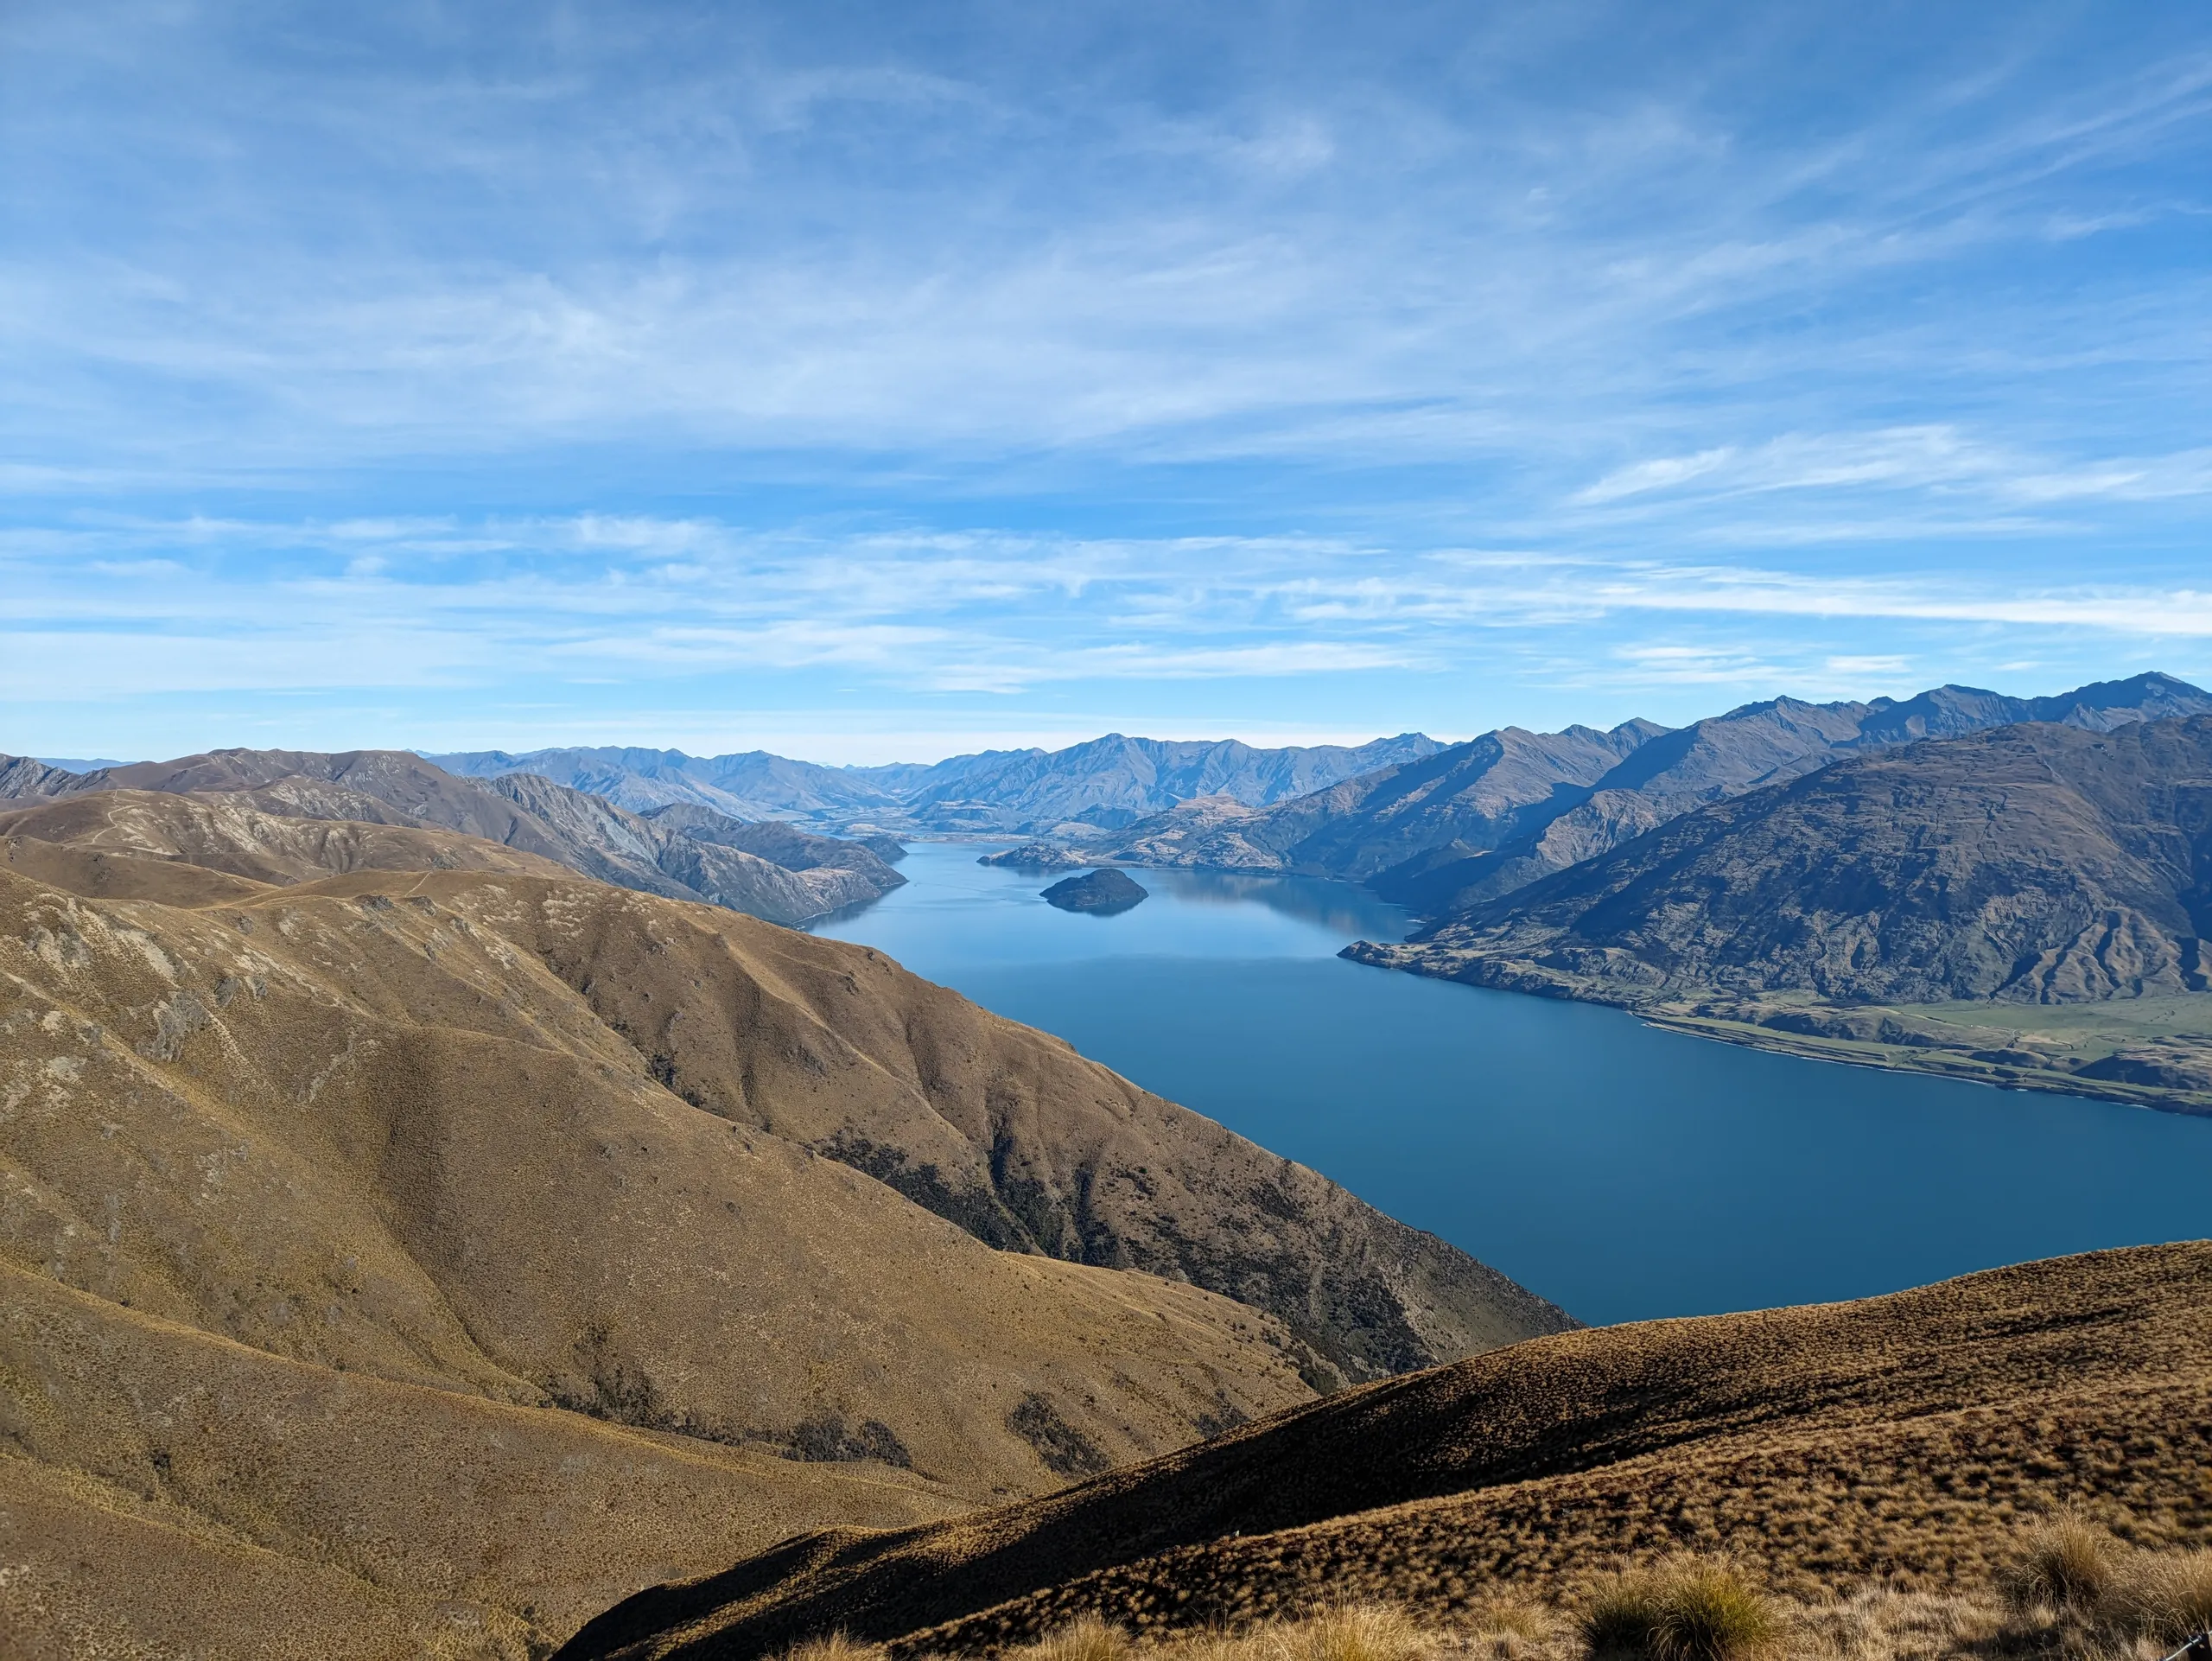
[[1620, 1171]]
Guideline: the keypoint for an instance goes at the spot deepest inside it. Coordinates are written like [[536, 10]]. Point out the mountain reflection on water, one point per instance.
[[1621, 1171], [1337, 907]]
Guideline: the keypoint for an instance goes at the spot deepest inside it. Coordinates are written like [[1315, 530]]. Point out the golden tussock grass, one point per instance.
[[1707, 1608], [1690, 1609], [835, 1646], [1085, 1638], [2162, 1596], [2066, 1563]]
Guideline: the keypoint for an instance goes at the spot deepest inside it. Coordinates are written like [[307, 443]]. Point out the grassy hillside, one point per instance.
[[1902, 1439]]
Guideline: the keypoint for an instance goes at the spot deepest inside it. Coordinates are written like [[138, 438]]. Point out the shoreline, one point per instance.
[[1929, 1056]]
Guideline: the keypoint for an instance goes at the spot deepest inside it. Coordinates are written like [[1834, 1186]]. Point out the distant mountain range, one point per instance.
[[682, 852], [1082, 789], [2029, 905], [1467, 825]]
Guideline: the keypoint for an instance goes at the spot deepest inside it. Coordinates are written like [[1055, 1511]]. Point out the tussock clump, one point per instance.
[[1886, 1623], [1084, 1639], [1693, 1609], [2163, 1595], [1212, 1643], [836, 1646], [1621, 1618], [1510, 1631], [2066, 1564], [1352, 1631]]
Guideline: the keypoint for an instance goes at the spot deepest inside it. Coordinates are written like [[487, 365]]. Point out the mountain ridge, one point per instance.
[[1099, 783], [2036, 867], [1481, 819], [700, 855]]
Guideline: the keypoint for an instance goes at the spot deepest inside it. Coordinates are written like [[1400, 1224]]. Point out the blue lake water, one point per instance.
[[1620, 1171]]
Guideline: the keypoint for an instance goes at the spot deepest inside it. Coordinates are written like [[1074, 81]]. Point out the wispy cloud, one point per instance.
[[1941, 459], [1380, 365], [587, 599]]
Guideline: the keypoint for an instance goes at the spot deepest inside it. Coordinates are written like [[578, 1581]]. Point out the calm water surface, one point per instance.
[[1620, 1171]]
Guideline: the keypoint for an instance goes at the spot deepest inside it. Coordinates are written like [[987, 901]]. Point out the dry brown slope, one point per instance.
[[530, 815], [1010, 1133], [228, 834], [357, 1127], [1898, 1435], [106, 873], [998, 1128], [231, 1502], [368, 1130]]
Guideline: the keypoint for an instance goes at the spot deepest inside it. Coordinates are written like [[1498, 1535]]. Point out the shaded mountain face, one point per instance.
[[2038, 863], [1480, 821], [1768, 743], [1107, 782], [1824, 1447], [570, 828]]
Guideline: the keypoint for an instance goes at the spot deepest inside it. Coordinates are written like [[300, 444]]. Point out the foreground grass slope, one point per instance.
[[1902, 1438]]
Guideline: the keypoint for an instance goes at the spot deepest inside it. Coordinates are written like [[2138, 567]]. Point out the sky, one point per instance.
[[872, 382]]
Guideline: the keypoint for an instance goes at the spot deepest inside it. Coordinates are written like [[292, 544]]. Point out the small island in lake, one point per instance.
[[1036, 856], [1102, 893]]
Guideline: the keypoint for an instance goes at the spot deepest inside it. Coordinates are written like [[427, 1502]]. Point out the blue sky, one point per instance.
[[871, 382]]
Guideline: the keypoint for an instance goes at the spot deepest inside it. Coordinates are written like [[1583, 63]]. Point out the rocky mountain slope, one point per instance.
[[782, 842], [1477, 822], [1485, 789], [700, 855], [1901, 1436], [1101, 784], [2034, 865], [421, 1259]]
